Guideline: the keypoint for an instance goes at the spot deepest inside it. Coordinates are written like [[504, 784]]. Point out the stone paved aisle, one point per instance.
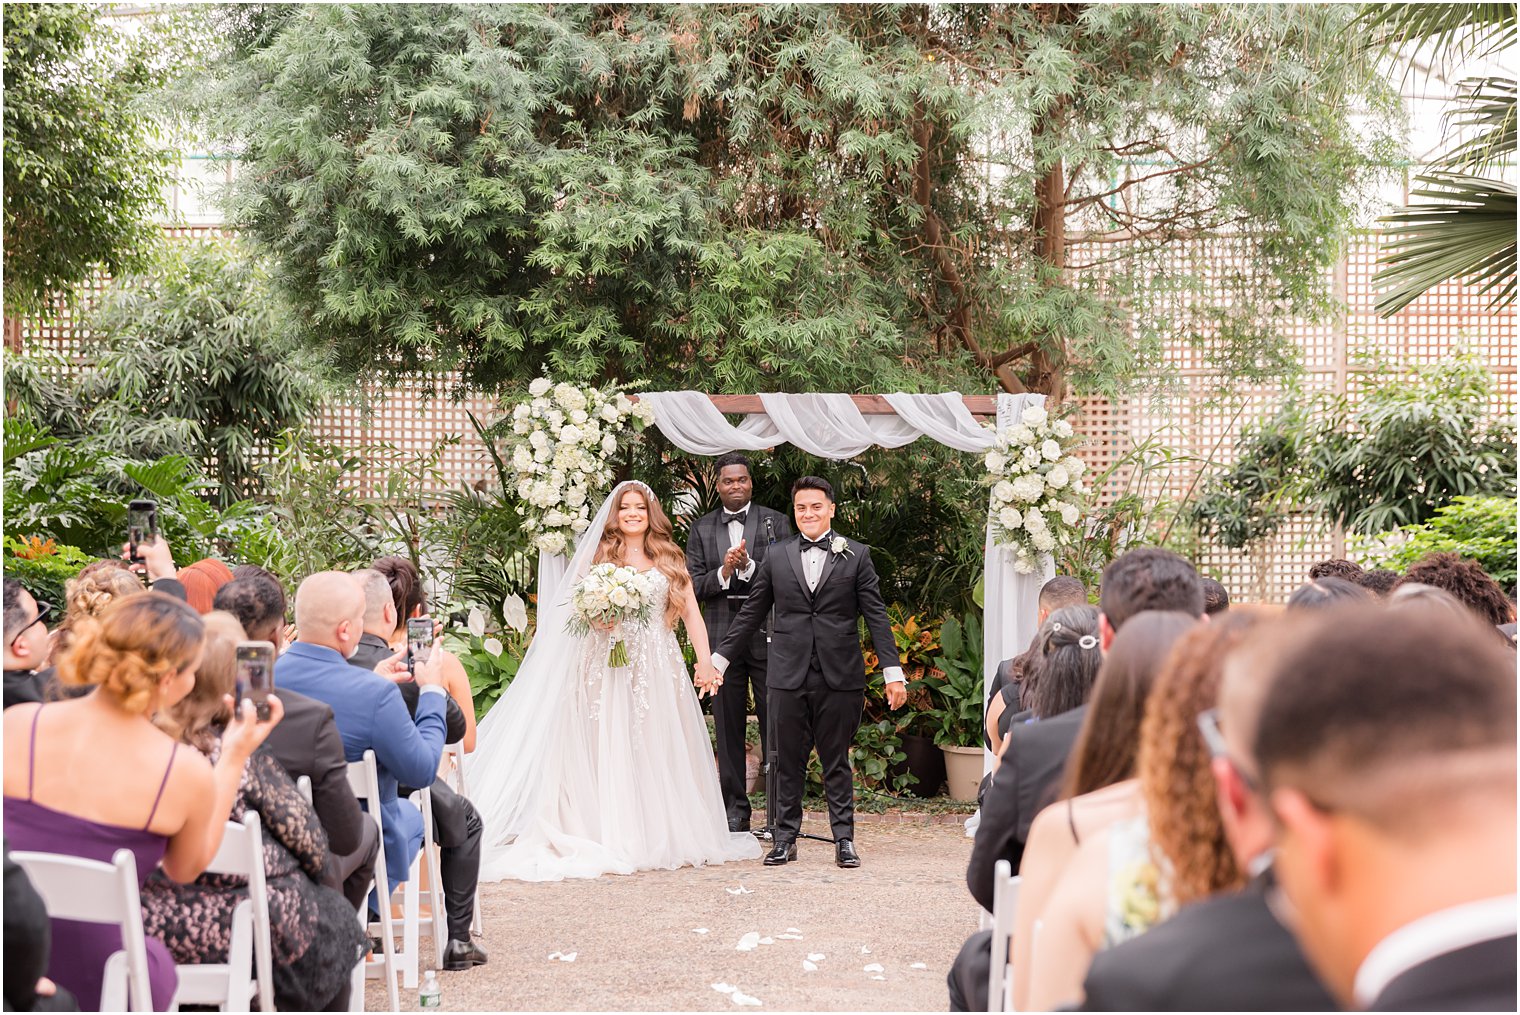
[[636, 951]]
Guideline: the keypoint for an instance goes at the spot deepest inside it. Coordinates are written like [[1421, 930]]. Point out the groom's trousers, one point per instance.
[[815, 715]]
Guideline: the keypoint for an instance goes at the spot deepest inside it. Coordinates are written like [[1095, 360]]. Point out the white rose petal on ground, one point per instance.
[[741, 890], [788, 937], [748, 942], [878, 977], [767, 940], [724, 988], [809, 967], [919, 965], [699, 930], [793, 930], [740, 997], [865, 949], [875, 967], [563, 956], [815, 957]]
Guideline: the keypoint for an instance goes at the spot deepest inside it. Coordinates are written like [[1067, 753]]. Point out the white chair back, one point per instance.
[[303, 786], [74, 888], [1005, 904], [364, 780], [227, 984]]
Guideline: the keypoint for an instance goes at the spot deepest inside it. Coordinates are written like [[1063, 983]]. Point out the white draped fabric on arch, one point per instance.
[[832, 426]]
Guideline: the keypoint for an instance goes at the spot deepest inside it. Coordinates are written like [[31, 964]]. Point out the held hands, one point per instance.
[[246, 731], [708, 679]]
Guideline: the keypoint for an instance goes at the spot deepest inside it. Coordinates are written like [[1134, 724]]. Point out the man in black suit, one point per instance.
[[1386, 746], [26, 646], [820, 585], [457, 826], [306, 742], [1034, 755], [723, 553], [1229, 952]]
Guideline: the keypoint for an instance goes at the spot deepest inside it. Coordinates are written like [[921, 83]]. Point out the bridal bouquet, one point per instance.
[[1037, 488], [609, 596]]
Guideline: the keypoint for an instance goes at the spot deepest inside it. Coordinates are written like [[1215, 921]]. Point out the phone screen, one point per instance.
[[419, 640], [142, 526], [255, 674]]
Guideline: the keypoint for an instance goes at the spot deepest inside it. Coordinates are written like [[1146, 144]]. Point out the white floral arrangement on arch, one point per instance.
[[1037, 488], [562, 442]]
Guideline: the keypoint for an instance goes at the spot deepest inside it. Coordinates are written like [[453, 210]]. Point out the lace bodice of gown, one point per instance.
[[652, 647]]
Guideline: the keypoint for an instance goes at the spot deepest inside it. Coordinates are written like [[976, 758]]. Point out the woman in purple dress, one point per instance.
[[93, 775]]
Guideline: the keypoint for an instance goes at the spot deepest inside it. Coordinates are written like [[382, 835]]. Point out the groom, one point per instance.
[[820, 584], [723, 553]]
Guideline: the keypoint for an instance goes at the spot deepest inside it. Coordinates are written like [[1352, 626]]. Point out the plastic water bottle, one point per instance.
[[429, 995]]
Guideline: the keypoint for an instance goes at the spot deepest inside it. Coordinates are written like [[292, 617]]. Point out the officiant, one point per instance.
[[722, 553]]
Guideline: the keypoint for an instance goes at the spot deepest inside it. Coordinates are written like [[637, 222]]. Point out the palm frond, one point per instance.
[[1454, 31], [1487, 106], [1466, 231]]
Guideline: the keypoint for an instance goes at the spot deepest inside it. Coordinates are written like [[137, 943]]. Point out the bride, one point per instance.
[[582, 769]]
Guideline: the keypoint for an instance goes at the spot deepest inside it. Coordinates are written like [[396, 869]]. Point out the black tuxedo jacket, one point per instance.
[[705, 548], [824, 622], [1480, 977], [1225, 953], [306, 742], [1026, 781]]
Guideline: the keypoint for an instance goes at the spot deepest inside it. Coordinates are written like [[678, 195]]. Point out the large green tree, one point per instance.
[[85, 165], [752, 196]]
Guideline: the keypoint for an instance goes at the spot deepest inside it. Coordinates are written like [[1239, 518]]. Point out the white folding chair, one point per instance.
[[412, 896], [74, 888], [456, 754], [227, 984], [303, 786], [365, 782], [1005, 904]]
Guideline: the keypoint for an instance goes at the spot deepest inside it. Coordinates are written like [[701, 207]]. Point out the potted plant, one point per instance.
[[957, 689], [918, 766]]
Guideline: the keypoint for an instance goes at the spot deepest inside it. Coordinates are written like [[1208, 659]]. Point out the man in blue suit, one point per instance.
[[367, 707]]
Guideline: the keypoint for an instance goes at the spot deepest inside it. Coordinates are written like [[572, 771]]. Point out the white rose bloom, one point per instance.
[[1071, 514], [1028, 488], [1003, 491], [542, 454], [521, 426], [1031, 457], [539, 440], [522, 458], [644, 412], [1061, 428], [552, 543], [996, 462], [525, 489], [520, 411], [580, 525], [610, 413], [609, 445], [1075, 465], [1051, 450], [1020, 434], [556, 419], [1056, 478], [476, 624], [619, 597], [1010, 518], [578, 416], [569, 434], [539, 387], [515, 612], [1034, 521], [575, 496], [555, 518], [1034, 415], [1043, 541], [540, 407]]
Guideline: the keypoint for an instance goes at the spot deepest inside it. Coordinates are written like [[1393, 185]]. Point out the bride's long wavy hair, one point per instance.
[[659, 542]]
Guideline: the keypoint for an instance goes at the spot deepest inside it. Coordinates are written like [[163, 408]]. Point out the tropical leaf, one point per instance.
[[1486, 106], [1453, 30], [1466, 231]]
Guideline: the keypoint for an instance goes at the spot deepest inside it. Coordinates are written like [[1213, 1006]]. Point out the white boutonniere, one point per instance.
[[840, 545]]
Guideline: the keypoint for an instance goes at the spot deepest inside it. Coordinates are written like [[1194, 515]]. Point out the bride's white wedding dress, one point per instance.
[[588, 769]]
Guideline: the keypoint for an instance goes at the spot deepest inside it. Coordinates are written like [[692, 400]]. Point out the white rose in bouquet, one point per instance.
[[522, 458], [1028, 487], [996, 462], [1051, 450], [1020, 434], [568, 434], [1023, 565], [1076, 466], [1044, 541], [555, 419], [609, 445], [1003, 491], [538, 440], [1031, 457], [539, 387], [552, 543], [1034, 521], [575, 495], [1034, 416], [580, 525], [578, 416], [609, 413], [1056, 478], [1070, 514], [542, 454], [1062, 428], [1010, 518]]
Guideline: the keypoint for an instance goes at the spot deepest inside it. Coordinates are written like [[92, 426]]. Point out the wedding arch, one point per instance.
[[840, 426]]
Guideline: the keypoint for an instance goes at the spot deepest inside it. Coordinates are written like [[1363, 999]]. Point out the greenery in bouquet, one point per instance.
[[561, 440], [1037, 488], [609, 596]]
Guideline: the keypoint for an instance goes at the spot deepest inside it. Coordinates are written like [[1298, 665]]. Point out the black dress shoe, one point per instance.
[[845, 855], [738, 824], [459, 955], [782, 852]]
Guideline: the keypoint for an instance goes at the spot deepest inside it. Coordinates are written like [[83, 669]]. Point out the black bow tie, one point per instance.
[[736, 516], [821, 543]]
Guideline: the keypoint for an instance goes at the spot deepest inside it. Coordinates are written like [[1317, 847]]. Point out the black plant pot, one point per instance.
[[927, 763]]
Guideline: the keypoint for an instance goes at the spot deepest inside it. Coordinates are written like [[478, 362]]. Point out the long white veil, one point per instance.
[[506, 768]]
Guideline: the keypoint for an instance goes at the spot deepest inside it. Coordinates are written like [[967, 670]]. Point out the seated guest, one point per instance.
[[27, 646], [307, 743], [1146, 579], [1056, 594], [88, 593], [457, 826], [1337, 567], [201, 580], [1380, 581], [1101, 811], [1326, 593], [1415, 595], [1065, 655], [316, 941], [367, 706], [1226, 952], [93, 775], [1216, 598], [1393, 785], [1467, 581], [28, 939]]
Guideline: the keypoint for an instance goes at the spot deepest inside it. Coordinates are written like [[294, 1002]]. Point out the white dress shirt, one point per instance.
[[1444, 931], [735, 536], [813, 559]]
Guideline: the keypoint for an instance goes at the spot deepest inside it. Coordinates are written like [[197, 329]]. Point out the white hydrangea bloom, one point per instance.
[[1043, 541], [1031, 456], [552, 543], [1020, 434], [1028, 488], [522, 458], [569, 397], [1034, 521], [1023, 565]]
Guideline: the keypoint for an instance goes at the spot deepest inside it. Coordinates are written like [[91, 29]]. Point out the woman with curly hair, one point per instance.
[[1466, 580], [88, 593]]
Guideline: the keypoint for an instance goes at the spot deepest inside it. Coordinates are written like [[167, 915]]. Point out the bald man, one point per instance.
[[367, 707]]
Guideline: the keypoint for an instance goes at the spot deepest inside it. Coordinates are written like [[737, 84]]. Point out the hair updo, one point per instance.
[[95, 588], [134, 643]]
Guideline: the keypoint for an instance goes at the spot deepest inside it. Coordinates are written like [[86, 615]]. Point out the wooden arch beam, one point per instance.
[[981, 406]]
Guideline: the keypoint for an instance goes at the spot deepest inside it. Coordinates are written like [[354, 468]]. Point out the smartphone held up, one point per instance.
[[255, 675], [419, 641]]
